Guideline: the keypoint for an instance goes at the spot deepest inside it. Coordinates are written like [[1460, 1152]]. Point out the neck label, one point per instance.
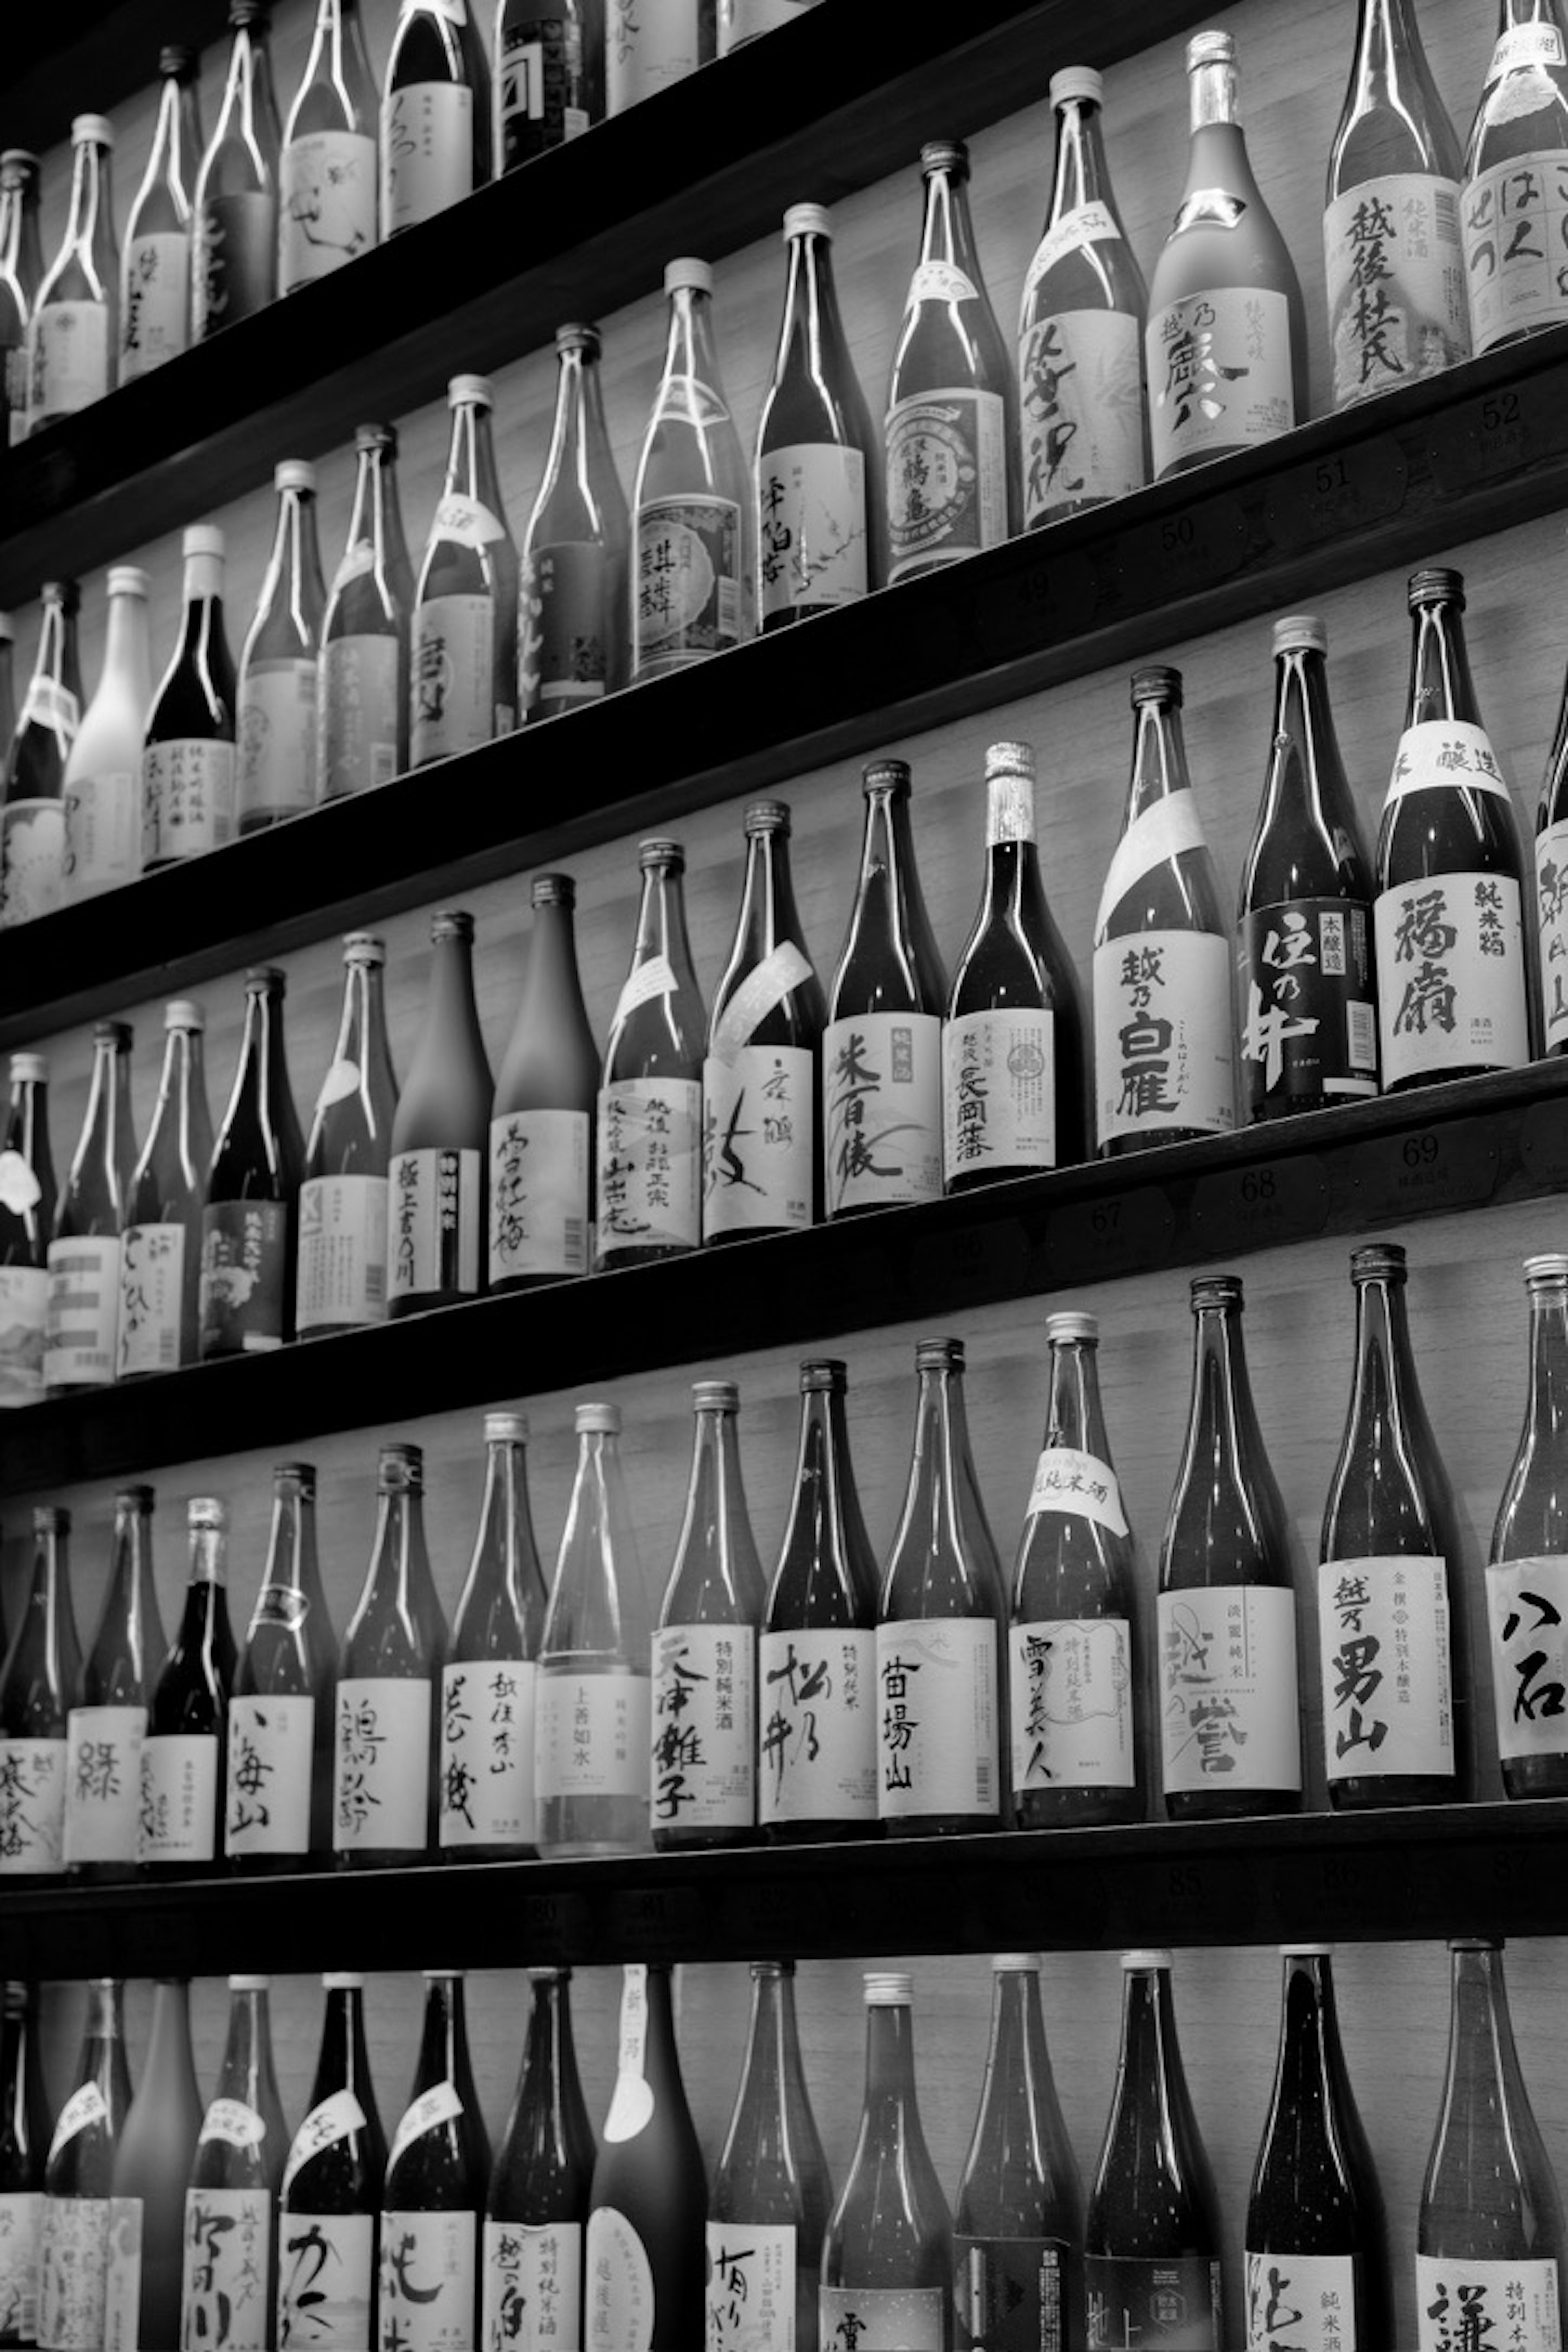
[[441, 2103], [654, 976], [942, 281], [1156, 837], [1068, 1479], [1091, 224], [765, 988], [1438, 753], [323, 2127]]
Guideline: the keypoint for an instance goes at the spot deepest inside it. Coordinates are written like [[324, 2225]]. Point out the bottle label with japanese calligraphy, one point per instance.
[[882, 1110], [1308, 1023], [1437, 754], [71, 2272], [32, 860], [1514, 2303], [812, 529], [947, 478], [1070, 1698], [751, 2301], [1515, 225], [999, 1092], [70, 358], [103, 833], [234, 271], [276, 734], [381, 1764], [1527, 1612], [487, 1753], [651, 1165], [1395, 283], [1010, 2293], [441, 2103], [187, 799], [563, 601], [103, 1783], [32, 1806], [594, 1734], [1551, 904], [1384, 1653], [227, 2257], [429, 2286], [152, 1299], [24, 1327], [936, 1717], [84, 1311], [1163, 1034], [454, 677], [687, 582], [122, 2276], [533, 2286], [816, 1712], [1068, 1479], [759, 1113], [539, 1194], [21, 2237], [326, 203], [428, 155], [336, 2118], [266, 1805], [1306, 2302], [704, 1727], [326, 2277], [619, 2285], [1081, 376], [1227, 1688], [342, 1252], [436, 1231], [646, 49], [1219, 374], [883, 2318], [1450, 969], [179, 1797], [154, 319], [538, 58], [359, 716], [245, 1299], [1174, 2304]]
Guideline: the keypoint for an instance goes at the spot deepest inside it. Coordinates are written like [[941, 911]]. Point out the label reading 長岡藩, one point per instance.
[[812, 528], [428, 2282], [532, 2292], [244, 1301], [751, 2300], [227, 2261], [947, 478], [154, 324], [620, 2285], [1305, 2301], [650, 1165], [1551, 913], [267, 1805], [1384, 1652], [1450, 966], [882, 2318], [359, 716], [704, 1727], [1309, 1025], [882, 1110], [998, 1095], [70, 358], [1163, 1034], [103, 833], [1459, 2303], [816, 1725], [487, 1753], [1080, 379], [276, 735], [1527, 1616], [1395, 283], [187, 799], [1219, 374], [326, 203], [32, 860], [759, 1139], [1227, 1688], [539, 1194], [24, 1328], [592, 1734], [342, 1253], [436, 1230], [326, 2278], [32, 1806], [103, 1783], [936, 1717], [179, 1797], [1513, 218], [1172, 2305], [427, 152], [687, 584], [381, 1764], [152, 1299], [72, 2267], [563, 605], [1070, 1695], [84, 1311], [1010, 2293], [454, 677]]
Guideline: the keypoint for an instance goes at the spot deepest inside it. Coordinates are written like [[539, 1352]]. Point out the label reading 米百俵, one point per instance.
[[882, 1110]]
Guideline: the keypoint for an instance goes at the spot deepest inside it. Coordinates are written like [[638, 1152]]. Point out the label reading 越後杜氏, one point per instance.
[[1306, 2301], [1162, 1035], [1080, 377], [1459, 2302], [1219, 374], [1173, 2304], [187, 799], [1450, 966], [1071, 1696], [71, 358], [326, 203], [103, 1784], [816, 1725], [267, 1807], [1527, 1617], [812, 528], [245, 1303], [276, 734], [883, 2318], [24, 1328], [688, 584], [326, 2279], [487, 1752], [179, 1797], [752, 2283], [1382, 1647], [32, 860], [947, 478], [154, 324], [83, 1330], [565, 621], [1513, 217], [454, 677], [1395, 283], [435, 1228], [427, 152], [32, 1806], [532, 2292], [1309, 1022], [759, 1139], [704, 1727], [381, 1764], [936, 1717], [650, 1165], [152, 1299], [1227, 1688], [882, 1110], [359, 716], [998, 1094], [1010, 2293], [539, 1194], [342, 1253]]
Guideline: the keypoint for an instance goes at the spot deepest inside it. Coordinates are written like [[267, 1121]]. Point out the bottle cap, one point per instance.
[[7, 629], [824, 1372], [579, 335], [1436, 584], [118, 1034], [882, 775], [128, 579], [29, 1066], [1071, 1323], [294, 474], [207, 1511], [51, 1519], [1306, 1951], [363, 947], [251, 1984], [888, 1989], [185, 1012], [938, 1355], [598, 1420], [1476, 1943], [1378, 1261], [452, 923], [1301, 632], [465, 388], [202, 538], [1011, 1964], [1215, 1290], [688, 272], [1147, 1956], [376, 437], [301, 1474], [506, 1429], [661, 855], [96, 127], [64, 592], [806, 220], [261, 979], [945, 155], [715, 1396], [1550, 1265], [553, 891], [249, 12], [343, 1981], [1212, 48], [1158, 683], [19, 158], [135, 1498], [400, 1466], [1010, 759], [548, 1976], [174, 58], [443, 1976], [1077, 81], [766, 816]]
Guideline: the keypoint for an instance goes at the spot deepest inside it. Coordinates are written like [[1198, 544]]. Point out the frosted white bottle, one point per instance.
[[103, 772]]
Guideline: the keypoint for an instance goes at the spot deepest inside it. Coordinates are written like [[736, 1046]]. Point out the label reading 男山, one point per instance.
[[998, 1093], [751, 2302], [152, 1299], [359, 715], [454, 677], [532, 2287], [1383, 1636], [687, 587], [882, 1110], [817, 1741], [267, 1807], [1513, 218], [381, 1764], [563, 601], [759, 1139], [24, 1324], [1174, 2304], [187, 799], [704, 1727], [179, 1797], [1395, 283], [811, 528], [245, 1299], [84, 1311], [539, 1194], [1219, 374], [326, 2276], [1450, 967], [1551, 914], [487, 1753], [1071, 1696], [593, 1737], [1459, 2303], [428, 2282], [153, 323], [32, 1805], [1162, 1035], [103, 1783], [276, 735], [1306, 2302], [227, 2263], [427, 152], [1010, 2293], [434, 1227], [1309, 1025], [342, 1253], [651, 1165], [936, 1717], [947, 478], [1527, 1618], [883, 2320], [1227, 1688], [326, 203], [1081, 381]]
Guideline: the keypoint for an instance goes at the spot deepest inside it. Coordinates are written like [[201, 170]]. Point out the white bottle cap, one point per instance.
[[185, 1012], [1145, 1959], [1077, 81], [1211, 48], [1010, 759], [806, 220], [343, 1981], [687, 272], [442, 1976], [29, 1065], [1306, 1951], [1300, 629], [207, 1511], [251, 1984], [1071, 1323], [1550, 1265], [888, 1989], [202, 538], [96, 127], [506, 1429], [128, 580], [294, 474], [1010, 1964], [722, 1396], [599, 1419], [363, 947], [470, 387]]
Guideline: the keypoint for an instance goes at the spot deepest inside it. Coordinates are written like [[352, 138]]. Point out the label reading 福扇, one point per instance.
[[1450, 966]]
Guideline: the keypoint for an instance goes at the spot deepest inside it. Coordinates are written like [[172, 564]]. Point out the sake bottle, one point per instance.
[[1074, 1652], [704, 1777], [1446, 917], [1308, 995], [250, 1220], [83, 1329], [488, 1678], [1226, 345], [544, 76], [73, 335], [434, 2194], [1081, 328], [1163, 1058], [277, 664], [182, 1796], [327, 176], [535, 2213], [649, 1155], [1018, 2221], [572, 597], [385, 1751], [693, 583], [886, 2253], [77, 2181], [542, 1123], [101, 787], [644, 2254], [951, 425], [741, 21], [648, 50], [21, 275], [1527, 1577], [343, 1199], [329, 2197], [235, 262], [8, 673], [24, 2151], [1514, 163], [40, 1683], [230, 2283], [881, 1049], [1393, 261], [277, 1815], [1229, 1733], [106, 1731], [155, 271], [152, 2163], [762, 1167], [818, 466], [465, 603], [160, 1247], [362, 694], [816, 1734], [435, 113], [188, 772], [32, 810], [27, 1222], [772, 2194], [439, 1137]]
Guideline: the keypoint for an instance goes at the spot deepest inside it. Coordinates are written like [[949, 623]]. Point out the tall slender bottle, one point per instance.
[[1074, 1664], [1308, 995], [741, 21], [1391, 227], [21, 275], [1152, 2240], [1081, 328], [327, 171], [362, 694], [1514, 163], [532, 2292], [1490, 2248], [489, 1676], [250, 1220], [594, 1696], [230, 2278], [384, 1773], [152, 2163], [188, 769], [329, 2200], [1163, 1063], [576, 556], [279, 1810], [32, 809], [1527, 1577], [106, 1731], [649, 50], [886, 2253], [440, 1136], [548, 55], [816, 1728], [160, 1247], [156, 272], [772, 2194], [819, 465], [74, 332], [235, 262], [40, 1683], [343, 1199], [103, 783], [7, 675], [704, 1784], [23, 2152], [542, 1121], [275, 728], [434, 2196], [435, 130], [1447, 919], [645, 2253], [77, 2180], [1317, 2260], [27, 1222], [952, 422], [183, 1757], [1226, 345], [694, 564], [1018, 2221], [762, 1167], [80, 1349], [650, 1157], [1230, 1731], [465, 603], [881, 1050]]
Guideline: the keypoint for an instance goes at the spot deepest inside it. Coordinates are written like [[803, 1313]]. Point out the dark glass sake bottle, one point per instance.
[[650, 1156], [235, 261], [107, 1730], [26, 1220], [78, 2178], [279, 1811], [230, 2275], [344, 1199], [23, 2152], [1527, 1578], [160, 1247], [156, 269], [384, 1756], [531, 2294], [771, 2193], [549, 53], [463, 651], [1517, 153], [572, 597], [40, 1684], [74, 333], [487, 1802], [440, 1135], [188, 768], [542, 1121], [151, 2164], [250, 1224], [645, 2252], [362, 697], [183, 1758], [21, 275], [83, 1329], [886, 2253], [1017, 2221], [327, 170], [280, 663], [328, 2201], [435, 125], [434, 2195], [32, 806]]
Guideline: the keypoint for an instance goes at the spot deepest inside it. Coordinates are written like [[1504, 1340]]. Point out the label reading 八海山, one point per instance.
[[245, 1303], [1305, 2301], [1160, 2306], [1513, 218], [936, 1717], [359, 716], [1010, 2293], [882, 1110], [1527, 1618], [179, 1797], [152, 1299], [454, 677], [427, 152], [704, 1727], [342, 1253], [32, 860], [187, 799], [24, 1327], [103, 1783], [650, 1165], [816, 1725], [326, 204], [1450, 967], [1395, 283], [563, 605], [227, 2264], [811, 528], [539, 1194], [1384, 1646], [381, 1764], [1163, 1034], [1552, 914], [267, 1805], [998, 1094], [154, 323], [276, 735], [32, 1806], [487, 1753], [1219, 374], [1070, 1695], [751, 2281], [1227, 1688], [234, 267], [593, 1735], [428, 2282], [687, 584], [947, 478], [1461, 2303], [1308, 1023], [83, 1328], [883, 2320], [1081, 376], [435, 1226], [532, 2292], [326, 2278], [759, 1139]]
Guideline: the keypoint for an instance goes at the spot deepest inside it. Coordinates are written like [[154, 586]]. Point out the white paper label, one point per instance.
[[816, 1709], [32, 860], [654, 976], [1383, 1634], [468, 521], [271, 1745], [1067, 1479], [1080, 384], [1227, 1689], [1091, 224], [940, 281], [1435, 753], [1305, 2301], [342, 1252], [441, 2103], [70, 358], [427, 152], [751, 2287], [71, 2280], [359, 712], [936, 1717], [434, 1210], [651, 1165], [1515, 220], [155, 301], [1395, 283], [122, 2276], [1219, 374], [487, 1753], [704, 1727], [810, 527], [326, 2278], [1167, 827], [532, 2287], [85, 2106], [179, 1797], [454, 677], [592, 1738], [883, 2320], [103, 1783], [882, 1110], [1462, 2302], [632, 2105], [276, 738], [234, 2122], [84, 1311], [152, 1299], [762, 990], [1450, 970], [620, 2275], [946, 478], [23, 1322], [539, 1193], [1070, 1698], [1163, 1034], [32, 1806], [21, 2233], [103, 833], [428, 2282], [1524, 45], [647, 50], [326, 209], [759, 1139], [999, 1092], [323, 2127], [1527, 1615], [19, 1186], [1551, 914], [381, 1765], [187, 799]]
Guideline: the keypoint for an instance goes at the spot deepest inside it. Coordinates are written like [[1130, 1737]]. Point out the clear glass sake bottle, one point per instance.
[[465, 602], [576, 556], [1527, 1575], [694, 565], [344, 1210], [40, 1683], [101, 787], [27, 1222], [32, 806], [235, 263], [250, 1222], [434, 2195], [74, 332], [772, 2194], [160, 1247], [78, 2178], [106, 1731], [384, 1756], [328, 2201], [1081, 328], [229, 2285], [440, 1136], [546, 52], [741, 21], [21, 275], [155, 269], [1017, 2220], [649, 50], [649, 1155], [531, 2294], [1514, 162], [188, 769], [542, 1121], [645, 2252], [362, 696], [278, 1816], [152, 2163], [183, 1755], [23, 2152], [886, 2253], [83, 1329], [279, 661], [488, 1679], [435, 128], [327, 175], [1163, 1060]]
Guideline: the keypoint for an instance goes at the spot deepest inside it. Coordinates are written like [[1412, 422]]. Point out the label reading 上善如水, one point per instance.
[[1080, 380], [326, 203], [1450, 969], [1163, 1034], [593, 1735], [1227, 1688], [686, 584], [812, 528], [1382, 1644], [1513, 218], [1308, 1023], [562, 603], [998, 1095], [1220, 375], [1395, 283], [882, 1110], [704, 1727], [947, 478]]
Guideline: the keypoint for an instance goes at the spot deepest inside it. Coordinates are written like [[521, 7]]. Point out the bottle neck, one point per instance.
[[452, 1012], [470, 461], [163, 163], [567, 459], [1309, 2036], [552, 971], [90, 203], [824, 1510], [131, 1605], [243, 89], [1440, 684], [181, 1085], [362, 1025], [1384, 1388], [1080, 173], [1149, 2065], [1304, 722], [169, 2039], [207, 1563], [1222, 1422], [661, 922], [105, 2029], [294, 561], [204, 592], [292, 1563], [125, 651], [247, 2055], [1073, 1414], [505, 1530], [946, 234], [261, 1079], [48, 1602], [343, 2062], [549, 2093], [1484, 2085], [443, 2047], [890, 2071], [1546, 1410], [28, 1125], [29, 235], [399, 1561], [1213, 95], [99, 1140], [689, 351], [1159, 759], [56, 663], [810, 333]]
